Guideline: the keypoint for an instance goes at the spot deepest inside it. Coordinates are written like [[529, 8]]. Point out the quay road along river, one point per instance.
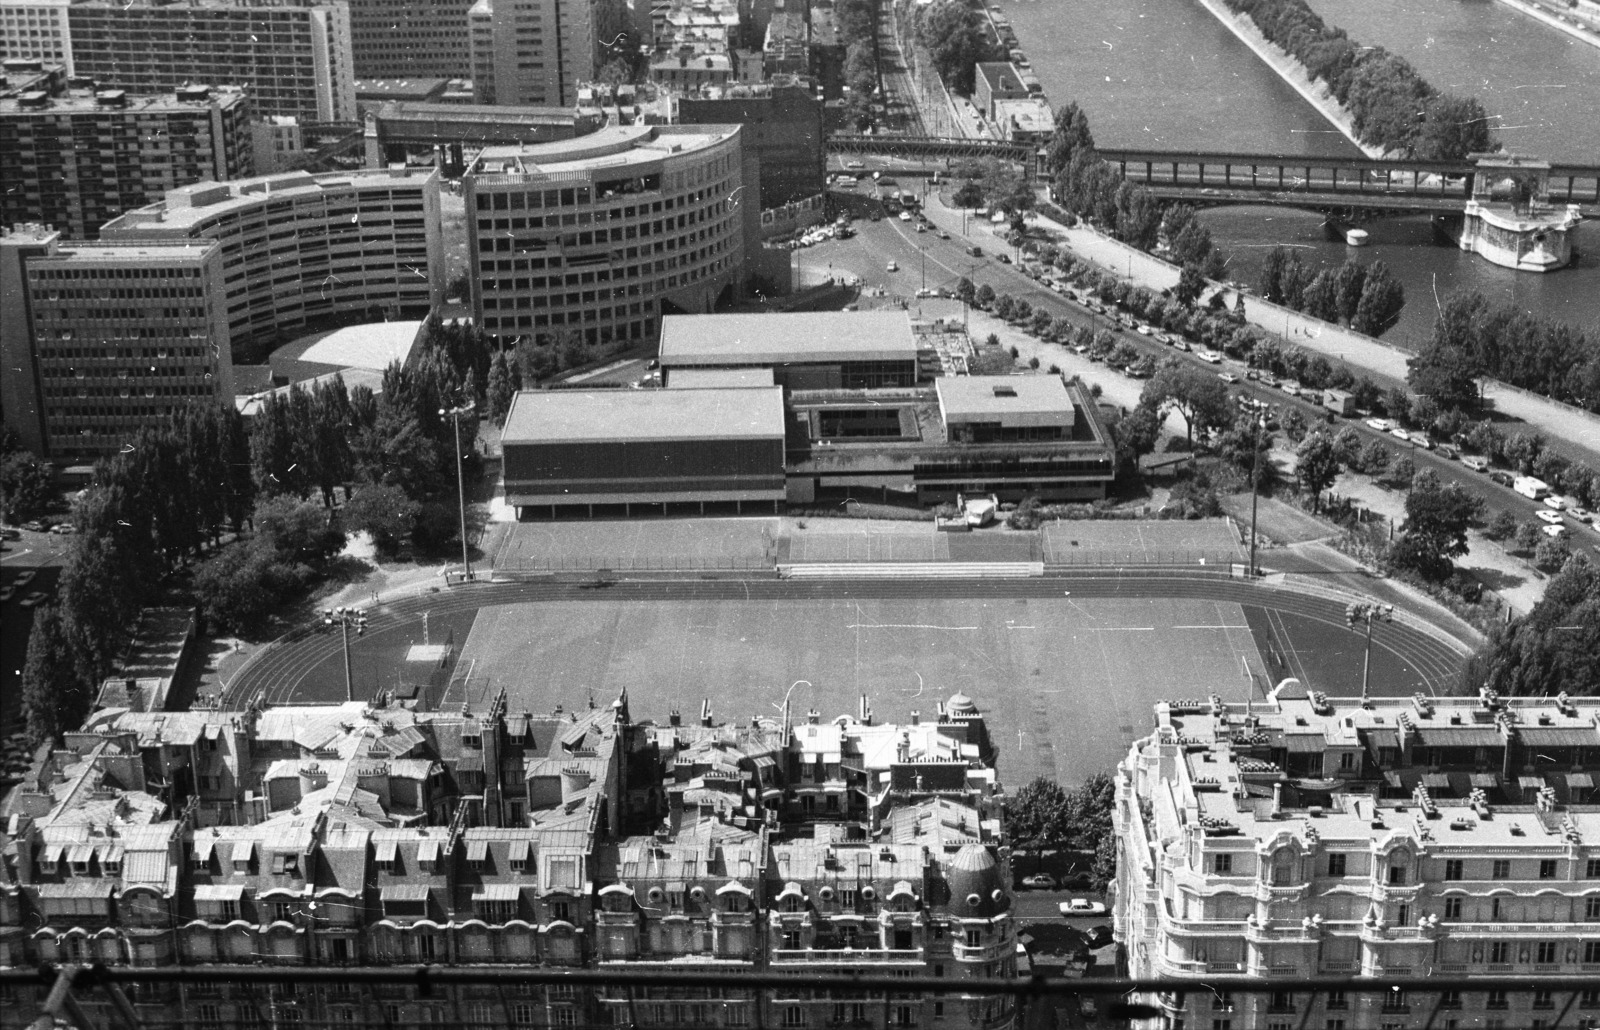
[[1166, 75]]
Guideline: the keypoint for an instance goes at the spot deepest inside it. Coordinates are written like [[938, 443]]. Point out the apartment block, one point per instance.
[[100, 339], [410, 39], [294, 57], [36, 30], [300, 249], [531, 52], [373, 834], [782, 122], [84, 156], [1302, 836], [592, 235]]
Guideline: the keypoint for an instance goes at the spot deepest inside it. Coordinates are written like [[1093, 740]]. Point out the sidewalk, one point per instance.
[[1578, 429]]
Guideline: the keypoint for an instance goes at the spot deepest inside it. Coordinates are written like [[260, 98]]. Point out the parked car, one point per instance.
[[1082, 907], [1210, 357], [63, 529], [35, 598], [1080, 880], [10, 533], [1475, 462], [1581, 514], [1003, 259], [26, 578], [1399, 434], [1039, 882], [6, 592], [1553, 532], [1502, 477], [893, 266], [1227, 377], [1551, 517], [1556, 501], [1422, 440], [35, 526], [1098, 936]]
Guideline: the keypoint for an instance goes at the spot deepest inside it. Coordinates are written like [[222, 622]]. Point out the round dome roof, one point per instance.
[[961, 704], [974, 880]]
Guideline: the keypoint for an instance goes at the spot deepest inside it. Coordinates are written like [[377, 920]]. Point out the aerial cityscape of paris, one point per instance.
[[799, 515]]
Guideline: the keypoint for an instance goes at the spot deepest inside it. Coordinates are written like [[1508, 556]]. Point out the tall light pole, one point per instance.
[[461, 483], [346, 617], [1255, 456], [1368, 612]]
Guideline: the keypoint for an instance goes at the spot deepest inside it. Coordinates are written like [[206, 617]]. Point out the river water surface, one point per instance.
[[1164, 74]]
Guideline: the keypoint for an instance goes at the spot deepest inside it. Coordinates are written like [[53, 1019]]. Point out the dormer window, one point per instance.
[[428, 855], [50, 859], [200, 857], [383, 855], [517, 857], [244, 854]]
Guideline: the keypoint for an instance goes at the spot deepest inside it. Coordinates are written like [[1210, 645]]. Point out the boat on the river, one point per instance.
[[1510, 220]]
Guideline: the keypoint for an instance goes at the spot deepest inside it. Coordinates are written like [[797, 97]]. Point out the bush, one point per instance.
[[1502, 526]]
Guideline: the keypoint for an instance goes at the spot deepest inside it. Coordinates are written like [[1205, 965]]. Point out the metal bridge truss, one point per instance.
[[923, 147], [1330, 183]]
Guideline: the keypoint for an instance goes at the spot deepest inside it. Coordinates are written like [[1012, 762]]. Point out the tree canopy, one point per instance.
[[1195, 394]]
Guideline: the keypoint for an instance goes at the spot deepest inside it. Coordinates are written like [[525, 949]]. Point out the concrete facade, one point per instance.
[[295, 55], [37, 30], [84, 157], [101, 339], [298, 248], [531, 51], [783, 125], [594, 235], [407, 39]]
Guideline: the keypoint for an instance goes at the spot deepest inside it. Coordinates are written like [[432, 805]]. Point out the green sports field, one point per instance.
[[1066, 684]]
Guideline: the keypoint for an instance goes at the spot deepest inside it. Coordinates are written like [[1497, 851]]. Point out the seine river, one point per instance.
[[1162, 74]]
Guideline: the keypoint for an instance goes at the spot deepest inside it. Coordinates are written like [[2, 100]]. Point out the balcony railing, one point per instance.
[[64, 992], [846, 955]]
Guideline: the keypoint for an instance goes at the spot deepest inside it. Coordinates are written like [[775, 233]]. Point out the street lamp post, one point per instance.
[[461, 483], [1367, 612], [346, 617]]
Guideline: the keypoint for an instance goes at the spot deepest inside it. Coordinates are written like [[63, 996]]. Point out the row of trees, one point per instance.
[[858, 26], [25, 486], [155, 504], [1367, 298], [1391, 105], [1474, 338], [953, 34], [1043, 815]]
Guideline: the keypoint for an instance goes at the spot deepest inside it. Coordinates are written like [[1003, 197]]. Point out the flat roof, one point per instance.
[[617, 416], [811, 336], [964, 397], [612, 148]]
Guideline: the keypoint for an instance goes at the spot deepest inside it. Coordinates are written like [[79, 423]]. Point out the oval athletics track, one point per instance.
[[276, 671]]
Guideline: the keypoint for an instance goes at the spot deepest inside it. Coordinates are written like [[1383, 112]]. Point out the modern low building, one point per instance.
[[996, 80], [101, 339], [405, 39], [805, 351], [1011, 436], [1027, 121], [602, 234], [294, 55], [664, 450], [303, 250], [1302, 837], [80, 158]]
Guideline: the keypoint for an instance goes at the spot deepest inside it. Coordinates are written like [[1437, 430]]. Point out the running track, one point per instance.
[[277, 670]]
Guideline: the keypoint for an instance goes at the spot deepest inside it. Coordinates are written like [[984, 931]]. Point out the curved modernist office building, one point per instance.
[[598, 235], [299, 247]]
